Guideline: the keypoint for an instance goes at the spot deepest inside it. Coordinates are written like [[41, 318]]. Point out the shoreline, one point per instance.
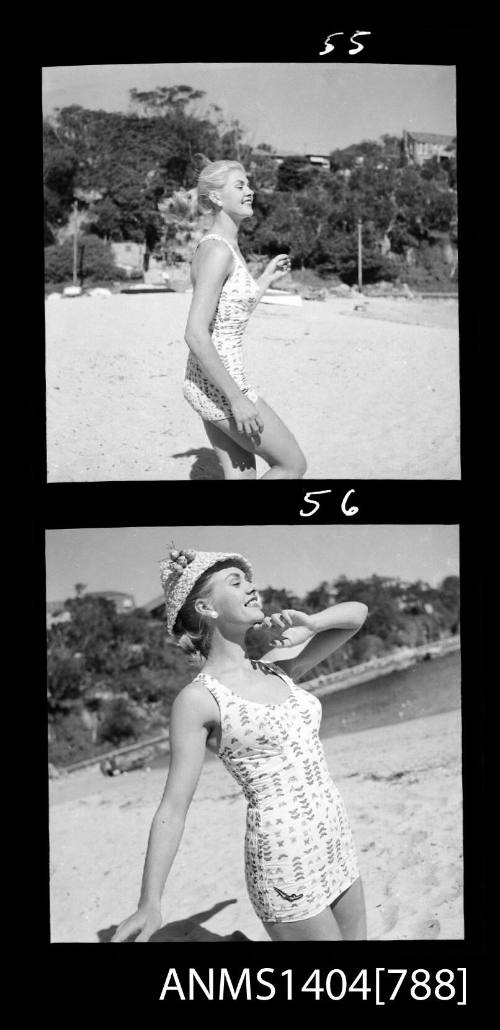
[[321, 686]]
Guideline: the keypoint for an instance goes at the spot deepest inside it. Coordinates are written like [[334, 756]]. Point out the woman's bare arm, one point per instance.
[[214, 266], [188, 736], [275, 270]]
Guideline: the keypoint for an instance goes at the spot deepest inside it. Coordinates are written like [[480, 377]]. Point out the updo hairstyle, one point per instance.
[[213, 177]]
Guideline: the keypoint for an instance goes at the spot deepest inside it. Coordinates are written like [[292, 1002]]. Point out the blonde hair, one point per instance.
[[213, 176]]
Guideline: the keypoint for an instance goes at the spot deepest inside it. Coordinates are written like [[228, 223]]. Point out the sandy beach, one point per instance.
[[402, 787], [369, 387]]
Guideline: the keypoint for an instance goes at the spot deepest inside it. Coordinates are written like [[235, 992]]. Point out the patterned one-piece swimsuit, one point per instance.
[[237, 300], [299, 850]]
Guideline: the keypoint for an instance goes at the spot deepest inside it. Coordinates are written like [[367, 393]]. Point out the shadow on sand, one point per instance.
[[205, 466], [189, 929]]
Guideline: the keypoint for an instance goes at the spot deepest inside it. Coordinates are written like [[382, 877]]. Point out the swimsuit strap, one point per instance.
[[271, 666], [215, 236]]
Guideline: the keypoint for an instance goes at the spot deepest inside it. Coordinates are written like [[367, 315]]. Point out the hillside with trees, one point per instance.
[[111, 678], [130, 177]]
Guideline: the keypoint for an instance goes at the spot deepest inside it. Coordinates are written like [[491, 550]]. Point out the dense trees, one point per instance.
[[314, 213], [94, 261], [139, 159], [112, 678], [133, 159]]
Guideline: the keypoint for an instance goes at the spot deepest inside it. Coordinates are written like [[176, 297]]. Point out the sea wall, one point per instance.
[[403, 658]]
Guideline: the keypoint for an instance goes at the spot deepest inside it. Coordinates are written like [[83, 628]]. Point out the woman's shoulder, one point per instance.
[[194, 697], [213, 244], [214, 252]]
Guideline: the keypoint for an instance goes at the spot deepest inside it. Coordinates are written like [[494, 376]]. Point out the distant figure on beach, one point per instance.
[[301, 866], [238, 423]]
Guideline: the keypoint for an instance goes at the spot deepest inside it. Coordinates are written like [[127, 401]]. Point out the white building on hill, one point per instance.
[[421, 146]]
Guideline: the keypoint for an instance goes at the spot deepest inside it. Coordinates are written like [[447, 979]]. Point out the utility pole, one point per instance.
[[360, 257], [75, 239]]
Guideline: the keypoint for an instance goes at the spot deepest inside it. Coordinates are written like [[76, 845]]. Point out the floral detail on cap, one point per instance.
[[179, 572], [181, 558]]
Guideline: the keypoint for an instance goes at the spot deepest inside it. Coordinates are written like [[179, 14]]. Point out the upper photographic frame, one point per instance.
[[366, 383]]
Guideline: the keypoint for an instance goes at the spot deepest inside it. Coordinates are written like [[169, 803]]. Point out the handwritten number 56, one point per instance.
[[308, 499]]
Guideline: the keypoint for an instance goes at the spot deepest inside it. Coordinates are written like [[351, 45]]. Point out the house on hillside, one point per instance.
[[124, 603], [421, 146], [57, 612], [317, 160]]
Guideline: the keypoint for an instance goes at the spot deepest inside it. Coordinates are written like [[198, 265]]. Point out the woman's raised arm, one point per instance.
[[325, 632], [188, 736]]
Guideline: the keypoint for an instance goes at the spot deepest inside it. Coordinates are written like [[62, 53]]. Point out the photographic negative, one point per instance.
[[284, 631], [251, 271]]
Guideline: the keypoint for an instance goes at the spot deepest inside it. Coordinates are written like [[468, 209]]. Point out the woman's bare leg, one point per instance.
[[323, 927], [350, 912], [343, 920], [276, 444], [236, 462]]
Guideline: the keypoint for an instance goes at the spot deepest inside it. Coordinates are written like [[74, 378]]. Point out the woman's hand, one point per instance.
[[247, 418], [145, 922], [277, 268], [284, 629]]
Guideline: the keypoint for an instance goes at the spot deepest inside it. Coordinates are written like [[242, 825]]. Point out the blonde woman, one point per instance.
[[239, 424], [301, 867]]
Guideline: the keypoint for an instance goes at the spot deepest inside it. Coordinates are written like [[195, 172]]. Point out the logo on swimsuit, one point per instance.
[[288, 897]]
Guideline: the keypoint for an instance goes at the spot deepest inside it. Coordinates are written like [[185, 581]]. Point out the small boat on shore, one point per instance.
[[282, 297], [146, 288]]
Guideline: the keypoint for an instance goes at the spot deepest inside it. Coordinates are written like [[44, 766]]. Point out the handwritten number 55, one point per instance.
[[357, 46]]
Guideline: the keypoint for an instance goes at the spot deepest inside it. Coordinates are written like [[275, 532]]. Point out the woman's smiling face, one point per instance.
[[236, 195], [234, 597]]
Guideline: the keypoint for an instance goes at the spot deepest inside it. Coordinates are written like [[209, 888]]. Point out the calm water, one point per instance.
[[424, 689]]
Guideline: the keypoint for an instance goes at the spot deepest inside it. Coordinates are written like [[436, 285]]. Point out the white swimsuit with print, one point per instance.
[[237, 300], [299, 850]]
